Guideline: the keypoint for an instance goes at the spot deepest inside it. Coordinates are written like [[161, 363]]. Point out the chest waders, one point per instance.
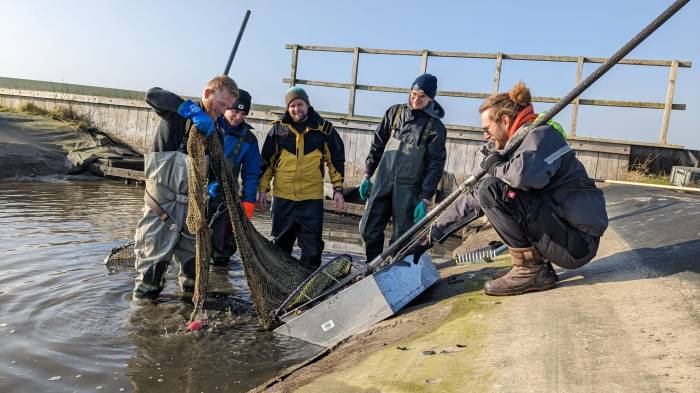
[[396, 189], [161, 234]]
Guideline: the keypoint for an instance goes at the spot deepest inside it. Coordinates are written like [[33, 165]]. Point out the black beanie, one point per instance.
[[427, 83], [243, 102]]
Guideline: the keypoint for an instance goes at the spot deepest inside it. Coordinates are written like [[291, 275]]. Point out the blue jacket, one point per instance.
[[242, 139]]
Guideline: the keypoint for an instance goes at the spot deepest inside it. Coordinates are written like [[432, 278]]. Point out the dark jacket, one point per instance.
[[298, 175], [171, 128], [244, 143], [543, 165], [409, 125]]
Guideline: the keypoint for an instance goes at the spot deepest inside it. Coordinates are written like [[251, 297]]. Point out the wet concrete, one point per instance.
[[66, 324]]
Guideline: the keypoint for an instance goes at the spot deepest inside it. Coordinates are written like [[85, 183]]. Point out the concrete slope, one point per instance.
[[627, 322]]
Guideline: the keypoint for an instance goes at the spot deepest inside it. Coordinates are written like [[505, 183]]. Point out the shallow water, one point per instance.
[[68, 325]]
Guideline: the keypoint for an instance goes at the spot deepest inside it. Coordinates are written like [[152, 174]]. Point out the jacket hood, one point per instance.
[[434, 110]]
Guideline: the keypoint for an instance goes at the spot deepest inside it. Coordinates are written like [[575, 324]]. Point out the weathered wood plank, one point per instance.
[[623, 162], [353, 81], [497, 73], [577, 101], [599, 147], [131, 128], [295, 59], [589, 159], [668, 105]]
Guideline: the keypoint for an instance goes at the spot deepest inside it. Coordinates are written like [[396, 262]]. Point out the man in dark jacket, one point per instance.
[[408, 155], [293, 157], [539, 200], [241, 150], [161, 234]]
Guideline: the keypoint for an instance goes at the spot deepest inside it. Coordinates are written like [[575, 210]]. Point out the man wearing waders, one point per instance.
[[241, 150], [408, 155], [161, 234], [293, 157], [539, 200]]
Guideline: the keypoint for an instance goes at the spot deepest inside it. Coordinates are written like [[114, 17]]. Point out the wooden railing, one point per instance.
[[667, 106]]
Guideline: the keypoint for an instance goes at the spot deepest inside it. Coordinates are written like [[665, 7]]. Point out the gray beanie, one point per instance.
[[295, 92]]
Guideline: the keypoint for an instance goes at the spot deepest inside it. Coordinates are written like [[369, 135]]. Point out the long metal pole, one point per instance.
[[472, 180], [238, 41]]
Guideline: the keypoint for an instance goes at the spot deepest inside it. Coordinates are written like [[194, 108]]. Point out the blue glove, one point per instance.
[[214, 189], [365, 189], [420, 211], [201, 121]]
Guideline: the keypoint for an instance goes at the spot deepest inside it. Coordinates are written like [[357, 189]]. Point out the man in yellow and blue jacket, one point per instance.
[[294, 156]]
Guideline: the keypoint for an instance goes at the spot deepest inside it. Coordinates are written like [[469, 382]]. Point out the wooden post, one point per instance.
[[575, 104], [669, 102], [424, 62], [497, 75], [353, 81], [295, 56]]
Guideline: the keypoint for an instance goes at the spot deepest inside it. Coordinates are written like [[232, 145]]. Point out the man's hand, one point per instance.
[[202, 122], [365, 188], [339, 201], [491, 161], [262, 201]]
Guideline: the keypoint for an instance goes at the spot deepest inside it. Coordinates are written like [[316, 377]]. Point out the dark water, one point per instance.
[[62, 314]]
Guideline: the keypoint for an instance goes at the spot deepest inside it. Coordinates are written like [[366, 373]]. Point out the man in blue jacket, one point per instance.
[[241, 149]]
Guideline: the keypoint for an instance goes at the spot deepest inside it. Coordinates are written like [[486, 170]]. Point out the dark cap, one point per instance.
[[243, 102], [427, 83]]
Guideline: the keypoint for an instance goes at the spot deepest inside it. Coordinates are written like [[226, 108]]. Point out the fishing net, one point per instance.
[[197, 216], [271, 273]]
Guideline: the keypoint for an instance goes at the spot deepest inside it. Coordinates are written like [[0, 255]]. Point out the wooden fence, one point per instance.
[[498, 58]]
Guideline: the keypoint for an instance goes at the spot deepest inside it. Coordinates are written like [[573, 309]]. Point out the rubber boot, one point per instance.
[[529, 273]]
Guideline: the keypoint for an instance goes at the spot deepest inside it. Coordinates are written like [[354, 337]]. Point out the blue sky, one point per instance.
[[179, 45]]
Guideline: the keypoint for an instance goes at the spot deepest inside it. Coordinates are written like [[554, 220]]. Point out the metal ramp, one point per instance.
[[362, 304]]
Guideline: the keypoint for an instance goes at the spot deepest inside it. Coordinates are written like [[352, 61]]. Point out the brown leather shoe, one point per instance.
[[529, 273]]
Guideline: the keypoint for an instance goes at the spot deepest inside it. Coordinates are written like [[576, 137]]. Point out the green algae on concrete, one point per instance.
[[437, 360]]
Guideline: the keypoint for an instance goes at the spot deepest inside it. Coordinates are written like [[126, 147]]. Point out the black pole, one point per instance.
[[472, 180], [238, 41]]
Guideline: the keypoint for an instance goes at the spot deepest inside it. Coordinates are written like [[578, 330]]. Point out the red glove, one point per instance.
[[249, 208]]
